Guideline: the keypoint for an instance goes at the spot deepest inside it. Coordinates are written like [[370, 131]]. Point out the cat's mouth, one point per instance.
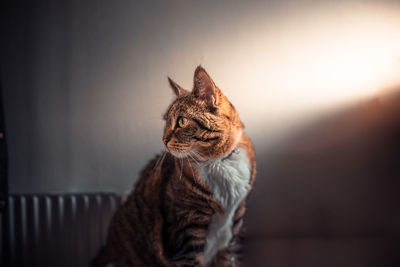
[[178, 151]]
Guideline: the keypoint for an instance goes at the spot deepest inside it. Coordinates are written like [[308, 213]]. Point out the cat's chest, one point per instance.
[[228, 180]]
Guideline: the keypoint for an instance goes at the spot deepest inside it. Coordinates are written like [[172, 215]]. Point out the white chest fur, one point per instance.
[[228, 180]]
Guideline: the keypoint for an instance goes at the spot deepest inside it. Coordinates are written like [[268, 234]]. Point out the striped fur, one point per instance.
[[187, 207]]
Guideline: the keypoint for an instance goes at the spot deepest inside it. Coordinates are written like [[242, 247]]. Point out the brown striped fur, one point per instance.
[[165, 220]]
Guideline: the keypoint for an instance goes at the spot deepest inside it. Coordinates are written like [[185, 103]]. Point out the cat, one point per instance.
[[187, 207]]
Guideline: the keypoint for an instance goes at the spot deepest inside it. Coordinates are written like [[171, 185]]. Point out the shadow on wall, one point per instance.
[[330, 195]]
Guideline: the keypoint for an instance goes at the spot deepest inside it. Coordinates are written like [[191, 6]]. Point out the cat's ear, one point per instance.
[[177, 89], [204, 87]]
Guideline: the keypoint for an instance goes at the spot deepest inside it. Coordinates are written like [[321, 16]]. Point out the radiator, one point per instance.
[[57, 230]]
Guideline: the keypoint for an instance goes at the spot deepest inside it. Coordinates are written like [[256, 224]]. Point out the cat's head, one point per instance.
[[201, 123]]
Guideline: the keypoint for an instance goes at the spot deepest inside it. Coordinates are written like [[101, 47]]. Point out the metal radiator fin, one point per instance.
[[58, 230]]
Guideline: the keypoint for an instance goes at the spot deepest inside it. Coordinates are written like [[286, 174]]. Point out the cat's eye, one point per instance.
[[182, 122]]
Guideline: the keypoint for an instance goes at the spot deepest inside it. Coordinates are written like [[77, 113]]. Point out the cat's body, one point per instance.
[[187, 206]]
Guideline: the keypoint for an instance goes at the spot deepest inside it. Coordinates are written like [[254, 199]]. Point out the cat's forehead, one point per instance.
[[185, 106]]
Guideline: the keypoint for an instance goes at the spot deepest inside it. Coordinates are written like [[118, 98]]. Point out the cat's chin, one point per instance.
[[179, 154]]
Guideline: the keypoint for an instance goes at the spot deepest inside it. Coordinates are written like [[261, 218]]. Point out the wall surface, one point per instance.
[[330, 196], [85, 81]]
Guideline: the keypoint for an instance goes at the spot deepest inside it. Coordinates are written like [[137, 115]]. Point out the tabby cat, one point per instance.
[[187, 207]]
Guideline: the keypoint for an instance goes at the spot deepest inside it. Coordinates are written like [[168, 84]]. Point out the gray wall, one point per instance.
[[85, 81]]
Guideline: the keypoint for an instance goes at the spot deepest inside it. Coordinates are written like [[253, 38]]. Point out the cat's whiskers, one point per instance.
[[190, 155], [163, 158], [159, 160], [198, 156], [195, 156], [181, 162], [191, 167]]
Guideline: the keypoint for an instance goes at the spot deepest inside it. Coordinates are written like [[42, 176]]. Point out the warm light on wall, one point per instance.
[[294, 71]]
